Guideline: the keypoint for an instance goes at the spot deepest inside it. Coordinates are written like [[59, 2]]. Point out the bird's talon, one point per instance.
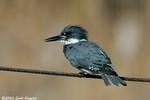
[[83, 73]]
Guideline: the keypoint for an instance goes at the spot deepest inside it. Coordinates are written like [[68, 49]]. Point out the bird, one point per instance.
[[85, 55]]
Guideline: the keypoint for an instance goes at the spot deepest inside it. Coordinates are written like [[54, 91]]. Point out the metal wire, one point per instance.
[[33, 71]]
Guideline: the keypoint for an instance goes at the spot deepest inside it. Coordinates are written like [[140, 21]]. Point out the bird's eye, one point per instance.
[[65, 33]]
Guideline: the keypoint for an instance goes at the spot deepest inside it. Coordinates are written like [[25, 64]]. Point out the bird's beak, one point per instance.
[[55, 38]]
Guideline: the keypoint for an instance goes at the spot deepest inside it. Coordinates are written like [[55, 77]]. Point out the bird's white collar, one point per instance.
[[72, 41]]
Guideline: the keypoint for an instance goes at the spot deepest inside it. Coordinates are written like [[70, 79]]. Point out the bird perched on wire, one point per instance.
[[86, 56]]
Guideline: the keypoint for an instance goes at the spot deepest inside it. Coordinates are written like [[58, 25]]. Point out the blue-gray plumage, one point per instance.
[[87, 56]]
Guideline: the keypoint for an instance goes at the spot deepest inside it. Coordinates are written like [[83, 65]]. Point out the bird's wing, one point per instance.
[[93, 58]]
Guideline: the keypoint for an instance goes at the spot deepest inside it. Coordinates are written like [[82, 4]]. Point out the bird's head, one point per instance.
[[70, 35]]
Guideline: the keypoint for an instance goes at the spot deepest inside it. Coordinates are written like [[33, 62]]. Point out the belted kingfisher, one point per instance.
[[86, 56]]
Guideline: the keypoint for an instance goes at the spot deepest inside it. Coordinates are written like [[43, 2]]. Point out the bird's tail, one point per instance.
[[116, 80]]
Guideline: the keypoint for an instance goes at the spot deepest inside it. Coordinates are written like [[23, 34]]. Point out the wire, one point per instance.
[[33, 71]]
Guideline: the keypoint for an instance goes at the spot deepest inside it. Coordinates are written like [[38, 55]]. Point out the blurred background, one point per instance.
[[121, 27]]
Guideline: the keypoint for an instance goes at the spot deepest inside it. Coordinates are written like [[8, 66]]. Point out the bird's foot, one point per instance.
[[84, 73]]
